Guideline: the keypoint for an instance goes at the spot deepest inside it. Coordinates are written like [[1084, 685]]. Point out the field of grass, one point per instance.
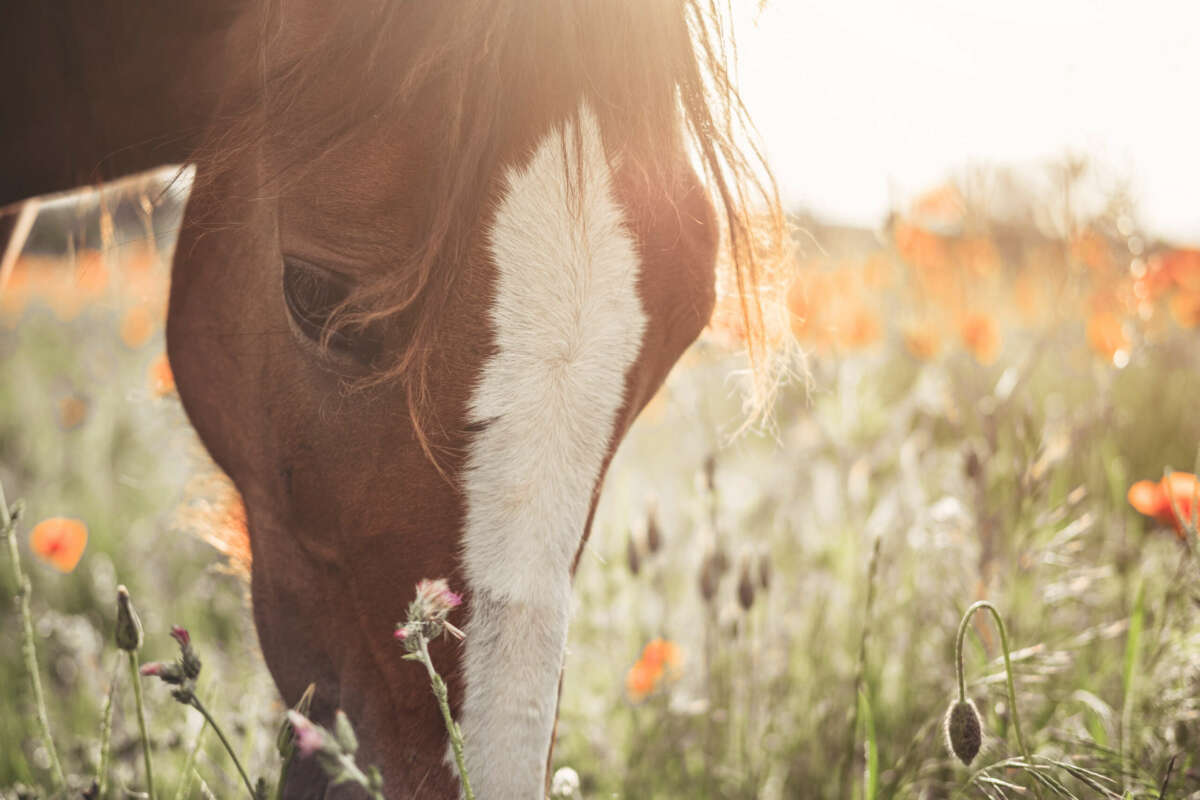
[[770, 615]]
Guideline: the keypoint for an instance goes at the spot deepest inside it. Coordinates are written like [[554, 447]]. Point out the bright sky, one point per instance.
[[863, 103]]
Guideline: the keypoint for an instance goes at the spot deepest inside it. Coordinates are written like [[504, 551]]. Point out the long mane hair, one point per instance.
[[649, 68]]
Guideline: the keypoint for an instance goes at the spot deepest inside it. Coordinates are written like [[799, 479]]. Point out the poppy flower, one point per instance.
[[137, 326], [1154, 499], [661, 659], [1106, 335], [1185, 308], [981, 337], [160, 377], [59, 542], [922, 340]]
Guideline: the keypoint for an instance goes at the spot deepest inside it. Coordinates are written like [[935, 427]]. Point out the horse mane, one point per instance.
[[648, 68]]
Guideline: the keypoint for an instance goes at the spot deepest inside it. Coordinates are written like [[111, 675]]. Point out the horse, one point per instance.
[[436, 258]]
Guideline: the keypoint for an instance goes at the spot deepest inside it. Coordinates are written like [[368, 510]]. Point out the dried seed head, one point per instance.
[[653, 533], [764, 571], [129, 627], [745, 587], [964, 732], [631, 555], [971, 465]]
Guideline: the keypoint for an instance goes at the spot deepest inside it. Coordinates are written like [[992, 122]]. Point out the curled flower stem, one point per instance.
[[141, 714], [195, 703], [28, 649], [1008, 673], [439, 691]]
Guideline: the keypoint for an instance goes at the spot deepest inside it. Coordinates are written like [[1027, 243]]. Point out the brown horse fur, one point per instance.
[[371, 138]]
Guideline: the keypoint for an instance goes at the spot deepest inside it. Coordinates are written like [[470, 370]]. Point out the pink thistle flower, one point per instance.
[[436, 598], [180, 634], [151, 668], [309, 738], [401, 633]]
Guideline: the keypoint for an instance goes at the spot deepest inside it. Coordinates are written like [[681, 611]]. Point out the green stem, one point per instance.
[[27, 642], [196, 704], [106, 730], [1008, 673], [141, 713], [439, 691], [283, 771], [185, 780]]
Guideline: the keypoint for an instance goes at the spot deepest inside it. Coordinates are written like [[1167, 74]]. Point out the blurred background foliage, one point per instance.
[[982, 379]]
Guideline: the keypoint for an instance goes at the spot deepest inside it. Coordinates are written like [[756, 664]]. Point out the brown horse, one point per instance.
[[437, 257]]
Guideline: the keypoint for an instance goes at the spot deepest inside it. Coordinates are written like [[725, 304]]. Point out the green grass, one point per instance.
[[780, 700]]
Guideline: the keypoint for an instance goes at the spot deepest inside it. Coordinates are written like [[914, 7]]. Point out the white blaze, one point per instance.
[[568, 325]]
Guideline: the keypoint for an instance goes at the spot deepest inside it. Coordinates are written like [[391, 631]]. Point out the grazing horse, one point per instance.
[[436, 258]]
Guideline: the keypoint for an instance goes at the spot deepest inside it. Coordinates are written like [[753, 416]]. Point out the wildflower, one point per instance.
[[310, 737], [59, 542], [1154, 499], [285, 739], [981, 337], [129, 627], [661, 658], [1106, 336], [136, 326], [72, 410], [168, 672], [1185, 308], [427, 613], [1184, 268], [922, 341], [963, 730]]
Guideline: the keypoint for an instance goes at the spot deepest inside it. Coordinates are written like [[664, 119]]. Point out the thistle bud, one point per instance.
[[631, 555], [964, 732], [745, 587], [188, 660], [129, 627], [653, 533], [171, 673], [343, 731], [285, 740]]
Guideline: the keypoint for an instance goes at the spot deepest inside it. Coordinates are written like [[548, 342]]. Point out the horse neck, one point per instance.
[[96, 90]]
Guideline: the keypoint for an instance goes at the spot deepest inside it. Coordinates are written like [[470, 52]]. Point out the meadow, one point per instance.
[[973, 394]]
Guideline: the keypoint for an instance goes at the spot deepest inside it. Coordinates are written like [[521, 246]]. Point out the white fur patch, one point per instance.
[[568, 324]]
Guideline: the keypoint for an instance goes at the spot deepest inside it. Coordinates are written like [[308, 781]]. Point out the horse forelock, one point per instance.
[[652, 71]]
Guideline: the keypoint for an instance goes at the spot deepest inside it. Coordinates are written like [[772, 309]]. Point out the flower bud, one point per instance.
[[745, 587], [171, 673], [344, 732], [631, 555], [285, 740], [709, 578], [964, 732], [653, 533], [129, 627]]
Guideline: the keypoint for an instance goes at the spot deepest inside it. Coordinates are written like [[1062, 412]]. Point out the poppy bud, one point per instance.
[[971, 465], [709, 578], [745, 587], [631, 555], [764, 571], [129, 627], [964, 732], [653, 534]]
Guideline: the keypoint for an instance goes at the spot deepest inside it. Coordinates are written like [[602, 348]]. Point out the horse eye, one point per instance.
[[312, 294]]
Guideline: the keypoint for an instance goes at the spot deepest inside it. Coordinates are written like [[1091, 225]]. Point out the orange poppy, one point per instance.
[[922, 340], [1106, 336], [981, 337], [72, 411], [661, 659], [859, 327], [1184, 268], [1185, 308], [137, 326], [59, 542], [160, 377], [1154, 499]]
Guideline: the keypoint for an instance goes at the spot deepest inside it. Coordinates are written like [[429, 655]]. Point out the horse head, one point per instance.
[[434, 263]]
